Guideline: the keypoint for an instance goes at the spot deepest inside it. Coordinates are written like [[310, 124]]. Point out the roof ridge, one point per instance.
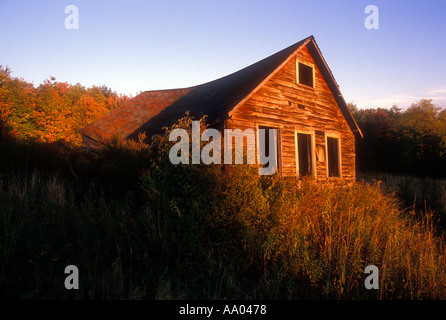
[[294, 48], [164, 90]]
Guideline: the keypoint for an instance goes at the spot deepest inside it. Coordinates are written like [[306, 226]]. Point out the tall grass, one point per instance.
[[420, 194], [257, 238], [329, 235], [44, 229], [207, 232]]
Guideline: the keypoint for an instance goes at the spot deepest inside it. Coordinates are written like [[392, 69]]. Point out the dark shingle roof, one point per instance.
[[150, 111]]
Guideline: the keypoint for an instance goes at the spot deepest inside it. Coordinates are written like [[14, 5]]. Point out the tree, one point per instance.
[[403, 141], [421, 124], [54, 110]]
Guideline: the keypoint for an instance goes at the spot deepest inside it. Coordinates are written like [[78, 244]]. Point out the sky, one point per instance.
[[132, 46]]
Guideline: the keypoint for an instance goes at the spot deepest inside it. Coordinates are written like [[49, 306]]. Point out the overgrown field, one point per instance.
[[138, 227], [419, 194]]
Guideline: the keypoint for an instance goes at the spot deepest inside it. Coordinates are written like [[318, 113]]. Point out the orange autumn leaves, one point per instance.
[[52, 111]]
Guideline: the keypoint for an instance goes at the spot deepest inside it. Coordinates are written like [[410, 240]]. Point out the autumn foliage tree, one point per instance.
[[53, 110], [410, 141]]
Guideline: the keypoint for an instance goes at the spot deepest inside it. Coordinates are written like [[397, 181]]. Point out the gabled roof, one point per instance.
[[150, 111]]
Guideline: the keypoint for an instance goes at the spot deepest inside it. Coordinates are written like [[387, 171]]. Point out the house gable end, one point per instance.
[[281, 102], [316, 59]]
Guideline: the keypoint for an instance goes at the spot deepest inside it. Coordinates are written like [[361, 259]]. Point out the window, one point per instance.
[[304, 154], [333, 157], [305, 74], [269, 150]]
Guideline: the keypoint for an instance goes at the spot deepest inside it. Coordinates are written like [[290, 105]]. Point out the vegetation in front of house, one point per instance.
[[138, 227]]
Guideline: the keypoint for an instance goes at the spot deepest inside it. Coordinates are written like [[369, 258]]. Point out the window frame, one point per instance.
[[312, 134], [279, 129], [337, 136], [308, 64]]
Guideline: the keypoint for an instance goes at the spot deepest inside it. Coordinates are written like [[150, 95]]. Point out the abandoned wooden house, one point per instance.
[[292, 91]]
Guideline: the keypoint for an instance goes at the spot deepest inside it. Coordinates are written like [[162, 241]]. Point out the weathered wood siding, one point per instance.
[[277, 104]]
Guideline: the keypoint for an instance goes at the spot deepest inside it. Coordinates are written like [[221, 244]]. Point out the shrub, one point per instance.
[[139, 227], [306, 234]]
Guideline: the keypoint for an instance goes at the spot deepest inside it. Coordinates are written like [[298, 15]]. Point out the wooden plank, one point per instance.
[[276, 104]]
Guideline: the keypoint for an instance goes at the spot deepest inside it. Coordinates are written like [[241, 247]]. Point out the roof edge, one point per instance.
[[333, 85], [247, 97], [337, 94]]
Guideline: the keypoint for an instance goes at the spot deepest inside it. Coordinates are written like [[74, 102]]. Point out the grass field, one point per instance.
[[419, 194], [138, 227]]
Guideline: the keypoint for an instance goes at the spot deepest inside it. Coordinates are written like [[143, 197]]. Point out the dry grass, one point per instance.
[[209, 232], [331, 235]]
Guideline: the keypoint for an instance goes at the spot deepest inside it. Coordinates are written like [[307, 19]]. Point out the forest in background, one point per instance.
[[409, 141], [52, 111]]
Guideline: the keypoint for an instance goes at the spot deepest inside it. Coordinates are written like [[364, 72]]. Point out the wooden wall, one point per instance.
[[277, 104]]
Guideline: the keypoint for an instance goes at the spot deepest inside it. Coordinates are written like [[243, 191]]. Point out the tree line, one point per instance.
[[396, 140], [402, 141], [52, 111]]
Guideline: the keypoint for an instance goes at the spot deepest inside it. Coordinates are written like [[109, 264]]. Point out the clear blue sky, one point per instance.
[[135, 45]]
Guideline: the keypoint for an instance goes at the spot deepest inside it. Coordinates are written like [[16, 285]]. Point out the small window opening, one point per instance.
[[305, 75]]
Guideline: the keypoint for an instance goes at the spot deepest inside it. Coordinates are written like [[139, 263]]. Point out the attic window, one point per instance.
[[305, 74]]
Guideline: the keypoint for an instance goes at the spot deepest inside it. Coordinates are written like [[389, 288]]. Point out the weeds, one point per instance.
[[416, 194], [138, 227]]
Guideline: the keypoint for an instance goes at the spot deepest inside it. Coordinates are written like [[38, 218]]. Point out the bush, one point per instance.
[[292, 235], [205, 232]]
